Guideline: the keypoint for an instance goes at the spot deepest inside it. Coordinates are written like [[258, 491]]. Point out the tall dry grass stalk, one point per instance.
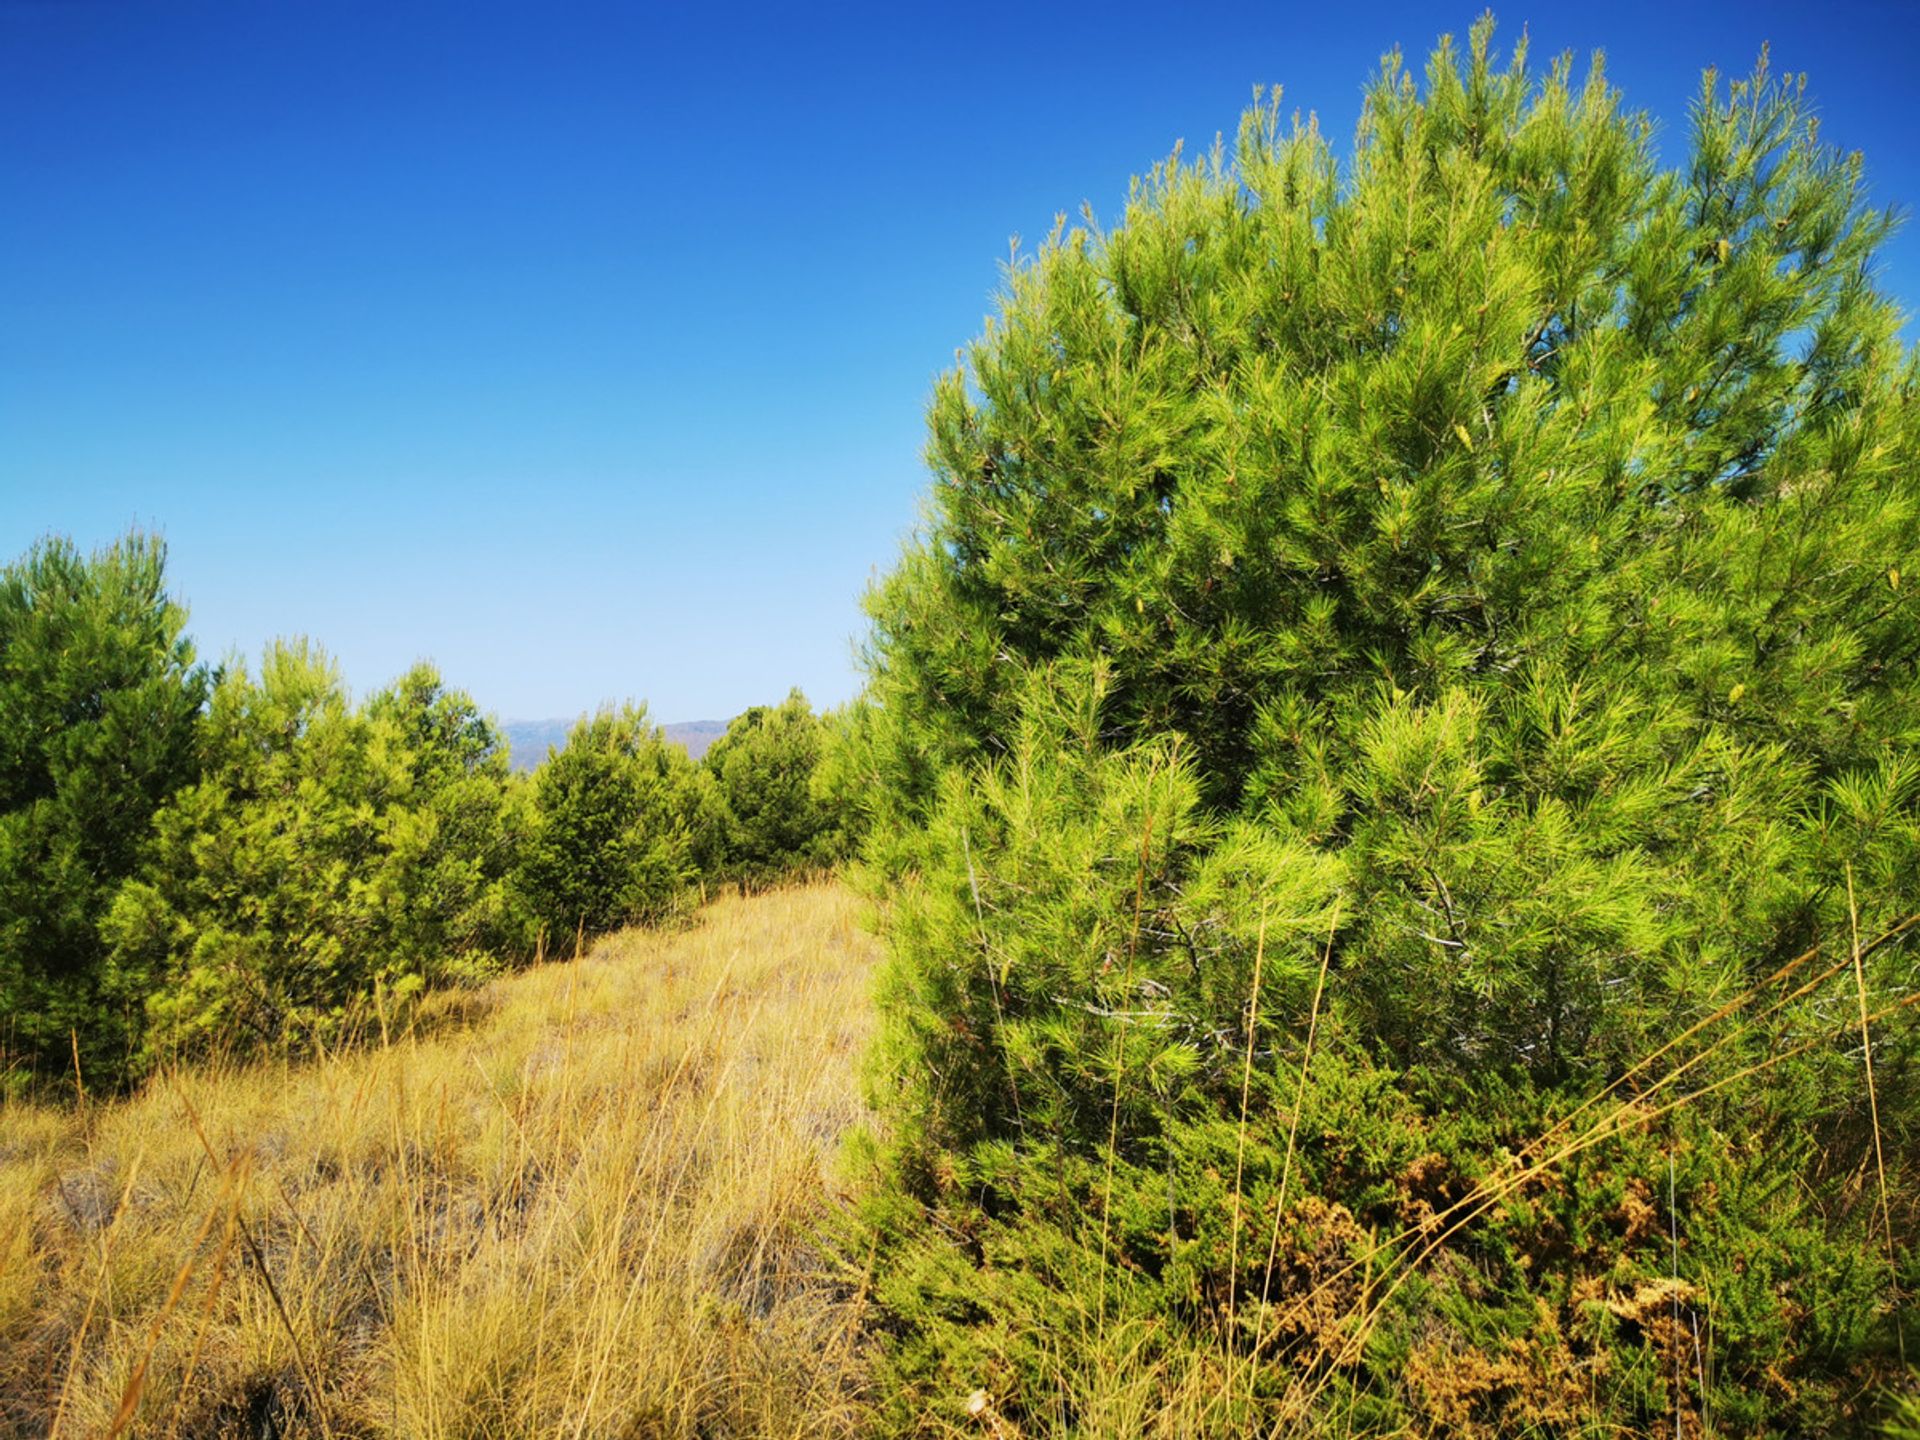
[[581, 1202]]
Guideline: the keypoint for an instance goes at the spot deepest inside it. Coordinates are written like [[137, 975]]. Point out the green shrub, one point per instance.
[[99, 699], [842, 784], [325, 854], [1482, 570], [771, 820], [618, 822]]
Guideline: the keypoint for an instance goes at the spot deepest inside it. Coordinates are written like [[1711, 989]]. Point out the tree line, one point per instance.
[[202, 858]]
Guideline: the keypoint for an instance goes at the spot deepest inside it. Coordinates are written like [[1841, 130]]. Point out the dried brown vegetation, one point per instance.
[[582, 1201]]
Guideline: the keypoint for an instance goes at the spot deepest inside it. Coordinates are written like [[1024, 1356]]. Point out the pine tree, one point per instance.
[[99, 701], [615, 830], [328, 860], [1401, 654], [763, 768]]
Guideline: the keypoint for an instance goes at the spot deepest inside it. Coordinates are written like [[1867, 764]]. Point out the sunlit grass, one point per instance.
[[581, 1202]]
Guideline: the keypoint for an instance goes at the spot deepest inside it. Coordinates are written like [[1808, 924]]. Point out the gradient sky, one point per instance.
[[582, 348]]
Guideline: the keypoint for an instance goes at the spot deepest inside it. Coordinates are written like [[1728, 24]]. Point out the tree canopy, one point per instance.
[[772, 820], [1405, 651], [100, 697], [325, 852], [616, 828]]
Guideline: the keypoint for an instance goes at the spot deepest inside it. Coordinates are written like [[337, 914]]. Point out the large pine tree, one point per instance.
[[1395, 757]]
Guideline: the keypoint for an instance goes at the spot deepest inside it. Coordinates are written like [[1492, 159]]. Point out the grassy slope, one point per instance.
[[579, 1206]]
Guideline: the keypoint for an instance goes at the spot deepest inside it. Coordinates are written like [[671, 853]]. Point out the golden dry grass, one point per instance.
[[582, 1202]]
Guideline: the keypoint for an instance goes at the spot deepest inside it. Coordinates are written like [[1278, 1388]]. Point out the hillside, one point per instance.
[[1385, 788], [578, 1201], [528, 740]]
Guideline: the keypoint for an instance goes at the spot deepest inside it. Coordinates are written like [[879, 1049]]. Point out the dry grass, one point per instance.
[[582, 1205]]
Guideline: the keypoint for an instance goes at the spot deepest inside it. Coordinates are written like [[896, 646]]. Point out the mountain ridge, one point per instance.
[[529, 740]]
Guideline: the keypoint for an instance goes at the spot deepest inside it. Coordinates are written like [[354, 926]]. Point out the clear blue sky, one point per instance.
[[584, 348]]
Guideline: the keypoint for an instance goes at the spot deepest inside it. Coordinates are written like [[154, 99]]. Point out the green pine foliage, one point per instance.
[[1905, 1421], [773, 821], [842, 784], [1394, 768], [240, 861], [619, 820], [327, 856], [99, 700]]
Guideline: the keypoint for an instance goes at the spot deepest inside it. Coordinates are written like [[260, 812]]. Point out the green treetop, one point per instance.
[[764, 768], [1482, 568], [99, 701], [324, 853], [615, 831]]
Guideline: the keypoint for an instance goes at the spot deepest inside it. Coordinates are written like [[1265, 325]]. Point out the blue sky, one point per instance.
[[583, 349]]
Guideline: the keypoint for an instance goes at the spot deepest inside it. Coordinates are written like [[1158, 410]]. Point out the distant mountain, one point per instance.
[[695, 735], [529, 740]]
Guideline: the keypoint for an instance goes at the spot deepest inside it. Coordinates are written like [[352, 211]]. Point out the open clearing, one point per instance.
[[581, 1201]]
